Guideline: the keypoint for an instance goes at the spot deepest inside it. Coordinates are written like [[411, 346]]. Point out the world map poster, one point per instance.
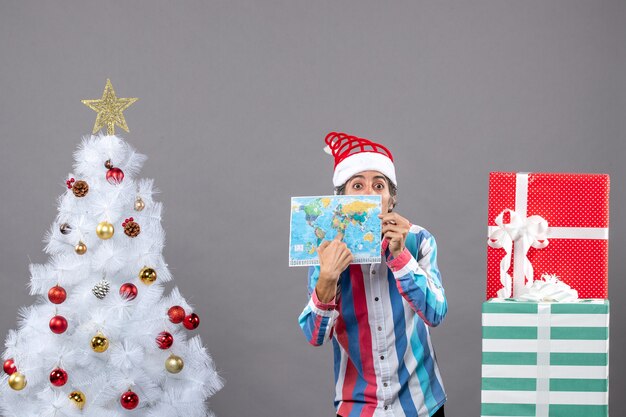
[[315, 219]]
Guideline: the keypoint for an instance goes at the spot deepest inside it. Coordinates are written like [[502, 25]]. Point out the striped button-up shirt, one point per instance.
[[379, 323]]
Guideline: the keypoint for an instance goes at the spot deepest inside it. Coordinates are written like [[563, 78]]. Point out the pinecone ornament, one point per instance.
[[131, 227], [101, 289], [80, 188]]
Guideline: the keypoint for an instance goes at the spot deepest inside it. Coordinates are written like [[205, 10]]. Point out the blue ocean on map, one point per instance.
[[315, 219]]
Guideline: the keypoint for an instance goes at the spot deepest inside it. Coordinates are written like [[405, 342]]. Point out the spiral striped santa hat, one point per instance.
[[353, 155]]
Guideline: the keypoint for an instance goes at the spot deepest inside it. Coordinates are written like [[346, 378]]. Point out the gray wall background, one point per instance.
[[235, 99]]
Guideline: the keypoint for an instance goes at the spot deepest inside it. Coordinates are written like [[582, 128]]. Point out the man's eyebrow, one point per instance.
[[357, 176], [379, 177]]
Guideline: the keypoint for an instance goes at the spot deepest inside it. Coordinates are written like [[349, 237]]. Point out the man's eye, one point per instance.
[[379, 186], [357, 186]]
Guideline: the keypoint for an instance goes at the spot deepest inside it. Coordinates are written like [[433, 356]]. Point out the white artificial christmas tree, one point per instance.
[[102, 339]]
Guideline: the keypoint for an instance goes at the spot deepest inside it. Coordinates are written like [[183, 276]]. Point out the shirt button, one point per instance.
[[384, 385], [380, 328], [374, 272], [382, 357], [386, 407], [376, 299]]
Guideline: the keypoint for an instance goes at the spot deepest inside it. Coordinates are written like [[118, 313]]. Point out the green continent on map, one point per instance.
[[312, 211]]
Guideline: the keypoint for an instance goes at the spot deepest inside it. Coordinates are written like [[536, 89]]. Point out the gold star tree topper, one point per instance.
[[110, 110]]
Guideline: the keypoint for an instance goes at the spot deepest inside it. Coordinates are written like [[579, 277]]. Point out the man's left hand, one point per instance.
[[395, 229]]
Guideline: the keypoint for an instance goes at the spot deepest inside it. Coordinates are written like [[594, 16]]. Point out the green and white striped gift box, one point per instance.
[[545, 359]]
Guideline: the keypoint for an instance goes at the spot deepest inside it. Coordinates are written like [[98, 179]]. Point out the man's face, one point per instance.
[[370, 183]]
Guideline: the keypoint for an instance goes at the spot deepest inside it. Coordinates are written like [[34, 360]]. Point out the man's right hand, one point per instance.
[[334, 257]]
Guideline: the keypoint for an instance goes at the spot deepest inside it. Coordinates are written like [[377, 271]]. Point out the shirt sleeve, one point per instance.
[[317, 319], [419, 281]]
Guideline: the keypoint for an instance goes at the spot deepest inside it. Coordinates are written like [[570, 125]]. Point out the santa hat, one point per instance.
[[354, 155]]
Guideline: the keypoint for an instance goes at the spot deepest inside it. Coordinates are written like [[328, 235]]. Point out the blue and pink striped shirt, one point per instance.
[[379, 323]]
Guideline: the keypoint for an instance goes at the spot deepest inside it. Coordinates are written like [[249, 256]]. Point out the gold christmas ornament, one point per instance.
[[80, 248], [147, 275], [17, 381], [105, 230], [78, 398], [139, 204], [174, 364], [110, 110], [99, 343]]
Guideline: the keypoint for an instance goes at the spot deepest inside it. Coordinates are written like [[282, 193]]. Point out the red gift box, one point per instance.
[[548, 224]]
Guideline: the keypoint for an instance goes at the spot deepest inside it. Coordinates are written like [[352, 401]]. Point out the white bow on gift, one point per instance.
[[525, 232], [549, 288]]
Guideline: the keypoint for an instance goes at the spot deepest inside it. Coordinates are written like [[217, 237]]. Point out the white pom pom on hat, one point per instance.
[[353, 155]]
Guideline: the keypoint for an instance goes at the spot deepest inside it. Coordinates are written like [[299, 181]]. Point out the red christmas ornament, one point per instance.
[[58, 377], [129, 400], [58, 324], [164, 340], [115, 176], [57, 294], [128, 291], [191, 321], [176, 313], [70, 183], [9, 367]]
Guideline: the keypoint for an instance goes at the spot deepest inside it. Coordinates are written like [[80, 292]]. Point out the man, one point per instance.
[[378, 315]]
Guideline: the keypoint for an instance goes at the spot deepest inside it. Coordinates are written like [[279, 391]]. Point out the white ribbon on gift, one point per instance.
[[524, 232], [542, 401], [543, 291], [549, 288]]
